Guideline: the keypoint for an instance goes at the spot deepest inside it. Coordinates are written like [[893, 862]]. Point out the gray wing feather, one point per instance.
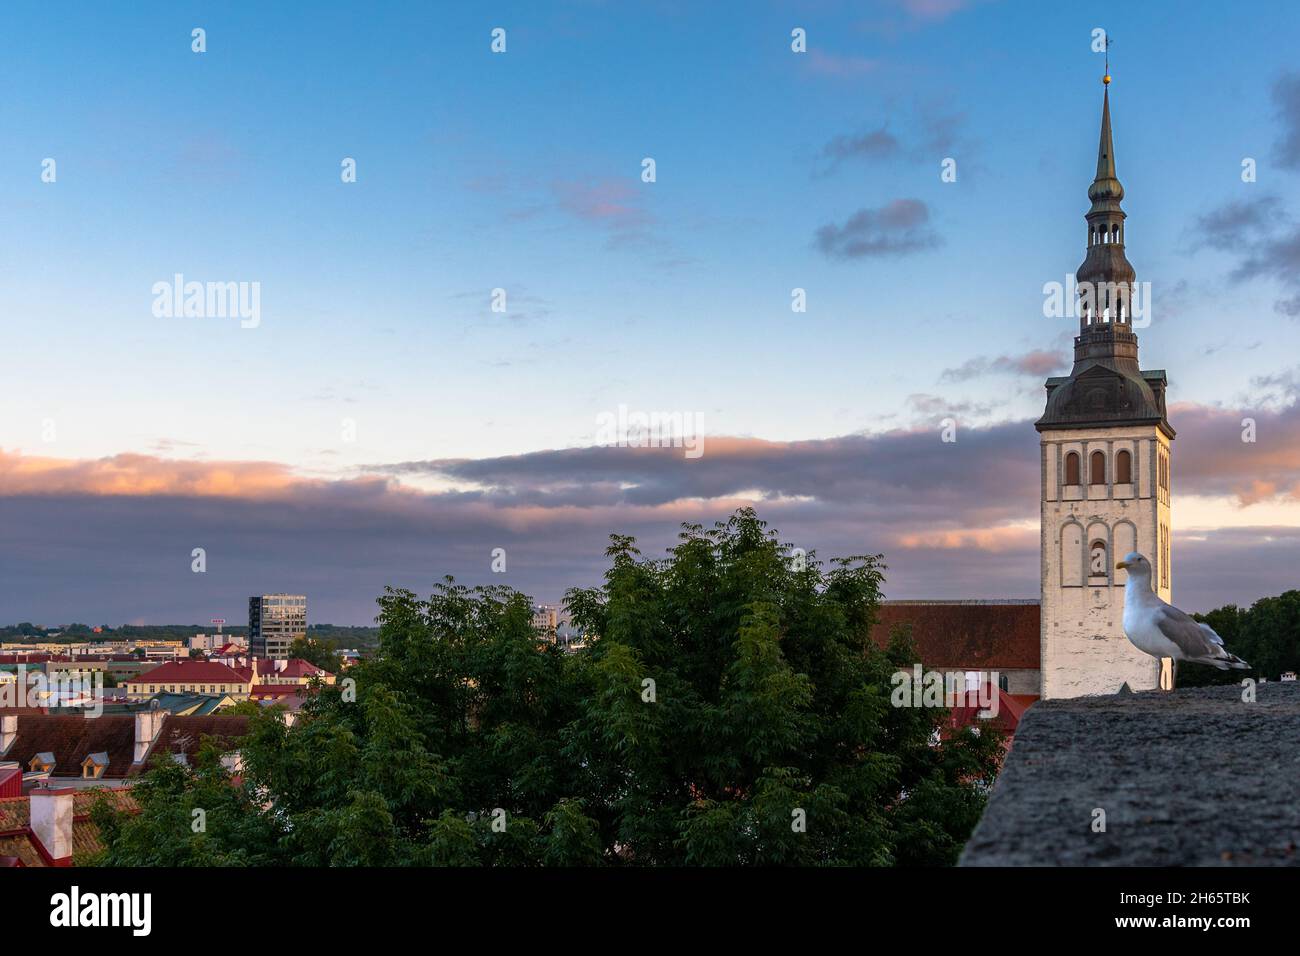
[[1186, 633], [1212, 634]]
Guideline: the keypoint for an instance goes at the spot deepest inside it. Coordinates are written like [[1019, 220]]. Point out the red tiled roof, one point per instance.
[[966, 635], [291, 703], [297, 667], [11, 782], [15, 813], [19, 845], [184, 735], [968, 709], [188, 672], [276, 690], [71, 738]]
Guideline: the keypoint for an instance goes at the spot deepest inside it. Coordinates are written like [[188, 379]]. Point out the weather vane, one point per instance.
[[1106, 49]]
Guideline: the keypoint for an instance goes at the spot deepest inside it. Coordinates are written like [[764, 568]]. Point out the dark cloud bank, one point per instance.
[[954, 520]]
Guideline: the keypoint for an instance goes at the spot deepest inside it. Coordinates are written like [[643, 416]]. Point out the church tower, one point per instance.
[[1105, 449]]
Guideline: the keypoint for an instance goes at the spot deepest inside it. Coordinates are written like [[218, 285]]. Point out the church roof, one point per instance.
[[966, 635], [1106, 392]]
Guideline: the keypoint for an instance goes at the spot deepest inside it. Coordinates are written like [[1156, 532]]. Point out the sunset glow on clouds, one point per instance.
[[383, 426], [953, 519]]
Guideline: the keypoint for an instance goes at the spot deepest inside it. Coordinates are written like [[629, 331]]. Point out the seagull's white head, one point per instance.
[[1135, 565]]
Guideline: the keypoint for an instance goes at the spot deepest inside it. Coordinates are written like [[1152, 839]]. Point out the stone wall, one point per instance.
[[1194, 777]]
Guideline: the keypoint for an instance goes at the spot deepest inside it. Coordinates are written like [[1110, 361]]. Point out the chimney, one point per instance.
[[147, 725], [233, 762], [8, 732], [51, 824]]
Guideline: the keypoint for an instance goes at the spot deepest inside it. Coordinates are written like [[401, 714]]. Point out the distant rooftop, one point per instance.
[[960, 601], [1196, 777], [988, 635]]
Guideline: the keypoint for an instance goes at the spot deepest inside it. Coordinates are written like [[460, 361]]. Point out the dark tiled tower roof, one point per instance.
[[1106, 387]]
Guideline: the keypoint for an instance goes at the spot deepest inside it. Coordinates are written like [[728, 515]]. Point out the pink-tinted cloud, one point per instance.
[[841, 66], [603, 201], [110, 539], [1036, 364], [131, 474]]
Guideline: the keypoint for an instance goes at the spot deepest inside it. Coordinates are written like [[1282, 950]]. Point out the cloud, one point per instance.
[[841, 66], [934, 136], [611, 202], [933, 10], [933, 409], [110, 539], [1264, 240], [616, 207], [901, 16], [1286, 100], [898, 228], [134, 475], [1218, 462], [1035, 364], [941, 134], [1240, 222], [877, 144]]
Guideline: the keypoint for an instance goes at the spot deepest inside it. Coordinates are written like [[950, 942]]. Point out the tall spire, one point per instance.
[[1106, 185], [1106, 386], [1106, 279], [1105, 149]]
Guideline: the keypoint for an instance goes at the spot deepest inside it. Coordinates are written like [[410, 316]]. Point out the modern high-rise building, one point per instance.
[[275, 621], [546, 619], [1106, 452]]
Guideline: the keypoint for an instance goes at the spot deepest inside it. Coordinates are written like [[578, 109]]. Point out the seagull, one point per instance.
[[1161, 630]]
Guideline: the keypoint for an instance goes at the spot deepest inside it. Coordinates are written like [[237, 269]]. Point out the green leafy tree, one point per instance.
[[1267, 636], [729, 710]]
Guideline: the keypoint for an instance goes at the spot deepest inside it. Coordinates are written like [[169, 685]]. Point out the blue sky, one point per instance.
[[522, 171]]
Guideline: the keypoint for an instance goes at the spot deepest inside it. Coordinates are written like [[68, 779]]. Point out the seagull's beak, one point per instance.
[[1122, 566]]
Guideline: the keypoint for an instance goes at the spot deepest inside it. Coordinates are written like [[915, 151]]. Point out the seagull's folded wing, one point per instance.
[[1186, 633]]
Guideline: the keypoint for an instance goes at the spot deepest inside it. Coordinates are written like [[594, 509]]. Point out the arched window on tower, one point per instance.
[[1097, 566], [1124, 468], [1072, 468], [1097, 468]]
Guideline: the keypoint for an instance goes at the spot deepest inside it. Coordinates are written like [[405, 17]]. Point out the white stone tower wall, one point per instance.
[[1084, 650]]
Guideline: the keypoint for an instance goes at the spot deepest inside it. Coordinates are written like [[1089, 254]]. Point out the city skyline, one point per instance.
[[381, 425]]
